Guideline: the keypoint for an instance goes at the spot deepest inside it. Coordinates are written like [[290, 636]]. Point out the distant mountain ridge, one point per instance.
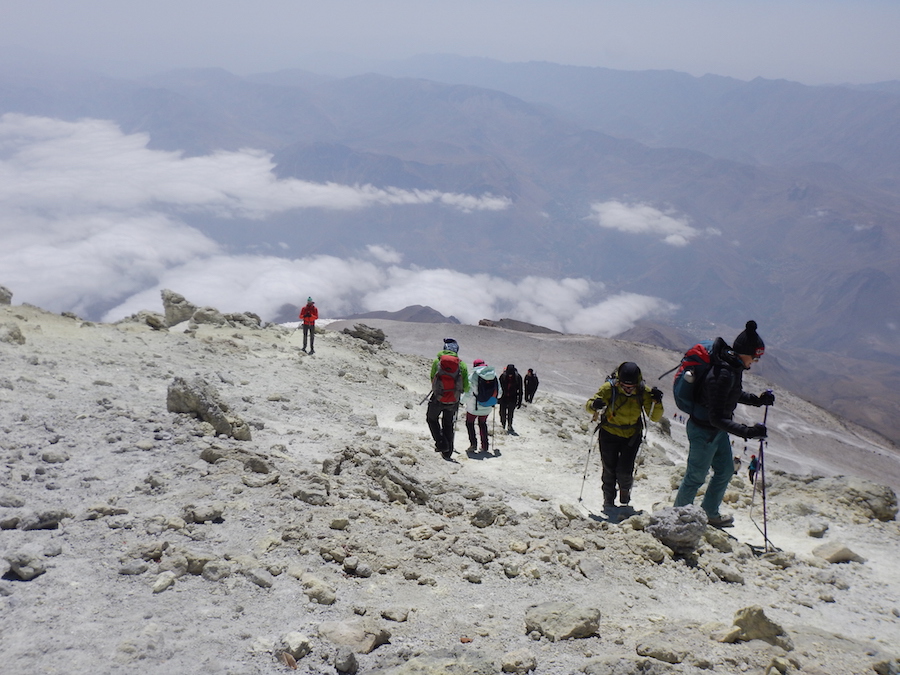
[[794, 189], [413, 314], [774, 122]]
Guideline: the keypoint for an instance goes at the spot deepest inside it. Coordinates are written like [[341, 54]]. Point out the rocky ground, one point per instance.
[[306, 523]]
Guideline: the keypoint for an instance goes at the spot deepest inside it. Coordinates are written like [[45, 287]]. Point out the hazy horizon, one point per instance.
[[809, 41]]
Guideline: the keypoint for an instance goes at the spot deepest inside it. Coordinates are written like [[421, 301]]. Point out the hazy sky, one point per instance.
[[91, 217], [810, 41]]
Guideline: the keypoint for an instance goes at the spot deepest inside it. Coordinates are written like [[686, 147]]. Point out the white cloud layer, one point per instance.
[[89, 218], [643, 219], [64, 167]]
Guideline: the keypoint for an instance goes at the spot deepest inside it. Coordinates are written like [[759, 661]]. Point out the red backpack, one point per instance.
[[695, 363], [447, 384]]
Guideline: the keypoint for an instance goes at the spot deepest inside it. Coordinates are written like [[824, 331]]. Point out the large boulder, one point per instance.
[[562, 620], [11, 333], [751, 623], [200, 398], [374, 336], [680, 528], [176, 308], [5, 296], [361, 635]]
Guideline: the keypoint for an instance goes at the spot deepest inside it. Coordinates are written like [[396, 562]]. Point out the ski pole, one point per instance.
[[761, 481], [762, 473], [644, 433], [492, 440], [587, 461]]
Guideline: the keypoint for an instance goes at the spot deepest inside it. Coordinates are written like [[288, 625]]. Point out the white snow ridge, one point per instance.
[[207, 498]]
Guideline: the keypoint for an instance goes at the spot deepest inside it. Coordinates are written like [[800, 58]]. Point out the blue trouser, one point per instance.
[[709, 448]]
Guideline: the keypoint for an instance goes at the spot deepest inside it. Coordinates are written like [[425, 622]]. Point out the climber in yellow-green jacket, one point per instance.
[[619, 405]]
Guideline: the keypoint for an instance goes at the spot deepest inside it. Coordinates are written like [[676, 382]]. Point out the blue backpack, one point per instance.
[[486, 392], [695, 363]]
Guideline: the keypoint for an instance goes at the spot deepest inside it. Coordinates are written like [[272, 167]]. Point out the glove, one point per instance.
[[598, 404], [767, 398], [756, 431], [656, 394]]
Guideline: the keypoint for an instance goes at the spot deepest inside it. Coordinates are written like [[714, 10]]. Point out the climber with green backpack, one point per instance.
[[620, 405]]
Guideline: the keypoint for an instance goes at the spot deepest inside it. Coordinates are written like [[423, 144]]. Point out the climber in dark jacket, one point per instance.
[[531, 385], [511, 384], [720, 392]]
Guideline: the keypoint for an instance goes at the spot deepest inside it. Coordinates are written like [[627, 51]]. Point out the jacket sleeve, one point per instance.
[[521, 389], [749, 399], [654, 411], [600, 395], [464, 373], [716, 391]]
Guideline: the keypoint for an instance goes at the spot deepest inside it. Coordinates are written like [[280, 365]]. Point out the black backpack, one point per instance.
[[486, 392]]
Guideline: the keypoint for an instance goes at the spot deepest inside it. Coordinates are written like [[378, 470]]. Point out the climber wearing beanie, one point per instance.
[[720, 390]]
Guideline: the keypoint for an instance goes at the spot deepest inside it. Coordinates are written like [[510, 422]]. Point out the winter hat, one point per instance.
[[749, 342], [628, 373], [309, 301], [510, 368], [478, 362], [450, 345]]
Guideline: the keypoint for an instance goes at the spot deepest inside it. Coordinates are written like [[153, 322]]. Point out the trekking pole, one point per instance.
[[645, 424], [453, 428], [492, 440], [760, 479], [762, 473], [588, 460]]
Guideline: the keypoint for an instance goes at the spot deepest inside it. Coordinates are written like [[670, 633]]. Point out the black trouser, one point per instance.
[[507, 409], [617, 455], [440, 418], [482, 430], [311, 332]]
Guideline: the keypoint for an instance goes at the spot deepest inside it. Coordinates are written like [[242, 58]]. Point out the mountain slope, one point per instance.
[[139, 538]]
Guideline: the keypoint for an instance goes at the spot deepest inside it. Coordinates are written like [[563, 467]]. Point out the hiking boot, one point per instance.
[[472, 448], [721, 521], [312, 351], [624, 497], [447, 454], [511, 432]]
